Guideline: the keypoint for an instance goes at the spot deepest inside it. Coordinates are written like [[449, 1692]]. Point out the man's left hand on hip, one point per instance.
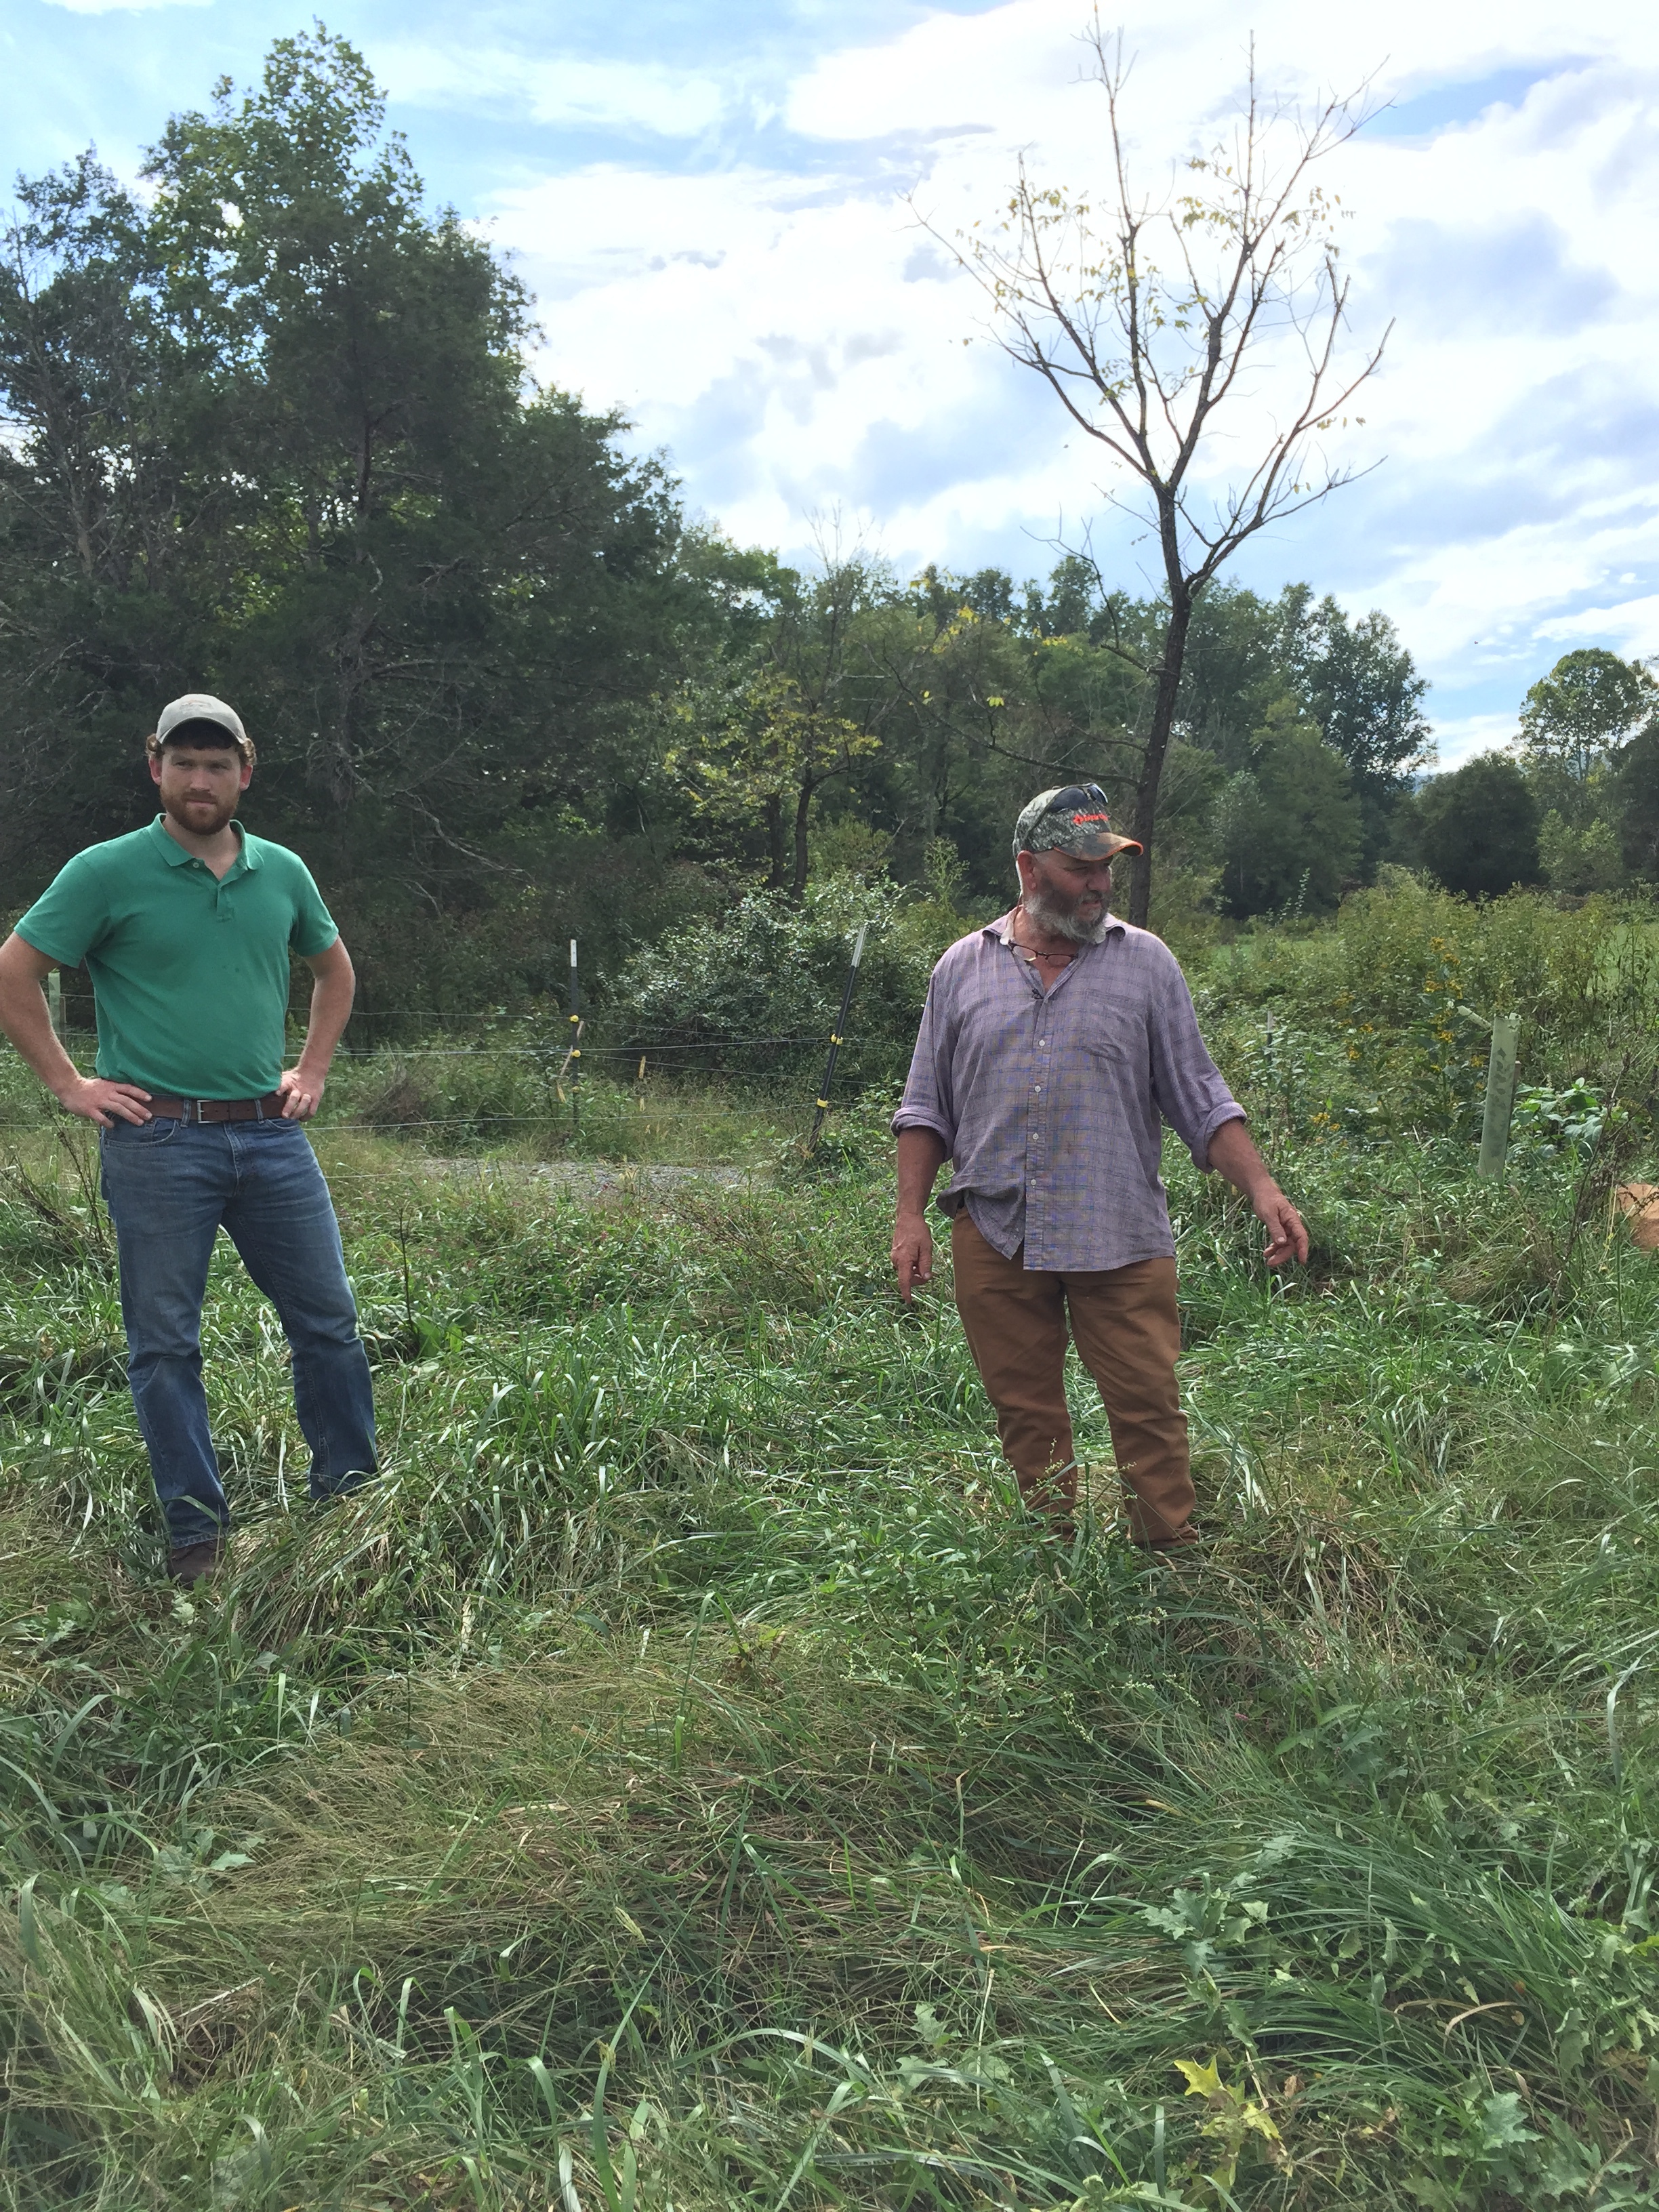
[[301, 1094]]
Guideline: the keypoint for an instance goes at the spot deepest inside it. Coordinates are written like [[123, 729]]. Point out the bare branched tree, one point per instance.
[[1146, 355]]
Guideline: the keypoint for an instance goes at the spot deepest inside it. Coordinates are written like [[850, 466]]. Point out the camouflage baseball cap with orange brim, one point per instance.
[[1071, 818]]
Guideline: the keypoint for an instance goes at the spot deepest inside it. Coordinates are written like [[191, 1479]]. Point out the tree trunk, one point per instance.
[[366, 454], [803, 806], [927, 782], [334, 757], [779, 876], [1158, 746]]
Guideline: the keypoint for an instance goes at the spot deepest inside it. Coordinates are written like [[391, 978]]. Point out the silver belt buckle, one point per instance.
[[198, 1103]]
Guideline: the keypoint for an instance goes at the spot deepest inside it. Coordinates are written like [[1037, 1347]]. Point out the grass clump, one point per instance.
[[684, 1780]]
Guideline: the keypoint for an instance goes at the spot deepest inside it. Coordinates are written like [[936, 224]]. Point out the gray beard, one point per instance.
[[1060, 922]]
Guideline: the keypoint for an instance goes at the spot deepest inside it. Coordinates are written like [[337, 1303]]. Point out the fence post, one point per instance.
[[55, 1001], [820, 1105], [1500, 1096], [575, 1042]]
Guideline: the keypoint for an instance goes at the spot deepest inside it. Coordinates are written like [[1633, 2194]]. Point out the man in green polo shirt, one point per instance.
[[186, 928]]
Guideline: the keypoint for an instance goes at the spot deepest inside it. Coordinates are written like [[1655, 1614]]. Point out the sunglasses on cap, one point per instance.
[[1075, 798]]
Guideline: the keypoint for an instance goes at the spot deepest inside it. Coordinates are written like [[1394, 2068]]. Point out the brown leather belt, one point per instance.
[[268, 1109]]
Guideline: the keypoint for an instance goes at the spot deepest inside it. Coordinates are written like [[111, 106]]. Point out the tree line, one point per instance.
[[1574, 804], [273, 435]]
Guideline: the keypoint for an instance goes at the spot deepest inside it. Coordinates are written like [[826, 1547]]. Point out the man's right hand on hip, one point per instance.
[[96, 1100]]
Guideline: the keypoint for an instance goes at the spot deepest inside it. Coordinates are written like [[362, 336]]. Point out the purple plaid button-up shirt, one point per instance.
[[1049, 1105]]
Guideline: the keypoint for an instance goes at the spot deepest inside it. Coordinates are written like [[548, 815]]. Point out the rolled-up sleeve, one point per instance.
[[1188, 1087], [928, 1102]]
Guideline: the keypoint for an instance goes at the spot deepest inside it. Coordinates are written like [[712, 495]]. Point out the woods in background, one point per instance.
[[277, 440], [276, 437]]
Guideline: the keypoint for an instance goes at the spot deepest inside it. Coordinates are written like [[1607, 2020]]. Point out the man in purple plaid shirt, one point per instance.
[[1053, 1044]]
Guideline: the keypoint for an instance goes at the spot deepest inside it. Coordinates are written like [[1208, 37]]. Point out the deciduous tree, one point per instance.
[[1357, 681], [1290, 824], [1478, 827], [276, 438], [1575, 717], [1153, 317]]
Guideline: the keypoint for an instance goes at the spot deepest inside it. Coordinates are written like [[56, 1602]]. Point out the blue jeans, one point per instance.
[[170, 1186]]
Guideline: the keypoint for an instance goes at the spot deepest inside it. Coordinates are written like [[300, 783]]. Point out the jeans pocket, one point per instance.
[[138, 1136]]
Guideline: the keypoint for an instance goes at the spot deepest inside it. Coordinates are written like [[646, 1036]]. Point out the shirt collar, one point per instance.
[[175, 855]]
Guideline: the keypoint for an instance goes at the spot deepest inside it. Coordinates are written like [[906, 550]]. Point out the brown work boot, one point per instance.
[[196, 1563]]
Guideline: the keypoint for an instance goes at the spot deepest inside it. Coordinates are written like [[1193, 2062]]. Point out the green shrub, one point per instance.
[[1407, 979], [756, 991], [1520, 954]]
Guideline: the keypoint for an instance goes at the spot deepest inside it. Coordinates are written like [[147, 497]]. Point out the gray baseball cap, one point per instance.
[[1071, 819], [203, 707]]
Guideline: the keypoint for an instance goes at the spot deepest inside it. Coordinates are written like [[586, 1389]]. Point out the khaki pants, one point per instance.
[[1127, 1336]]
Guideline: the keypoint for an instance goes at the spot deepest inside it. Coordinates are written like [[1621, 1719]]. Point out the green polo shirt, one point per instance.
[[191, 974]]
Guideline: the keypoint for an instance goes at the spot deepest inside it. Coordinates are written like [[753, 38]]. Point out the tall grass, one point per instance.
[[684, 1779]]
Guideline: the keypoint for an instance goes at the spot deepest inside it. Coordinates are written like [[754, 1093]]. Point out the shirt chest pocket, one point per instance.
[[1112, 1039]]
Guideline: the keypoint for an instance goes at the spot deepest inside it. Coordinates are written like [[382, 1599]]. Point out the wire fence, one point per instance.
[[352, 1045], [647, 1049], [623, 1126], [611, 1119]]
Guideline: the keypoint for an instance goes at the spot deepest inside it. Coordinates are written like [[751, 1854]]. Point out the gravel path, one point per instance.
[[590, 1178]]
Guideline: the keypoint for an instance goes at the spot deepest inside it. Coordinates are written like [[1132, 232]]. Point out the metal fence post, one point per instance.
[[575, 1042], [1500, 1096], [821, 1104], [55, 1000]]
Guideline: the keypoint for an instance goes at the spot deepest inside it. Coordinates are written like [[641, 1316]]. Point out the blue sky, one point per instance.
[[716, 207]]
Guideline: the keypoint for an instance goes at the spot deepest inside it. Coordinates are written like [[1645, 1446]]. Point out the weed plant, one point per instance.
[[684, 1780]]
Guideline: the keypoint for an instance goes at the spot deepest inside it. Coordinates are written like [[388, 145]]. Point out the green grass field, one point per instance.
[[684, 1781]]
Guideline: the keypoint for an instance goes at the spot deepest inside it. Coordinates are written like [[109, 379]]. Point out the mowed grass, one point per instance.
[[684, 1781]]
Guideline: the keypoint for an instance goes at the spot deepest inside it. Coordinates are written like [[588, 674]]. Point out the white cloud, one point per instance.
[[599, 96], [786, 331], [1013, 67], [1488, 612], [1631, 628], [997, 72], [767, 324], [1460, 737], [116, 7]]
